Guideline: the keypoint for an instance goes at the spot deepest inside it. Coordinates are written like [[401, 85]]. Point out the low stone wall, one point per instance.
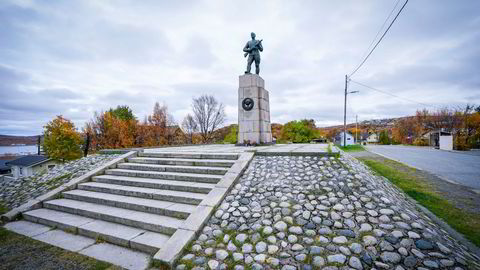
[[15, 192]]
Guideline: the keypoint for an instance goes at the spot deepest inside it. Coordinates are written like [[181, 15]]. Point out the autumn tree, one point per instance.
[[189, 127], [209, 115], [61, 140], [116, 128]]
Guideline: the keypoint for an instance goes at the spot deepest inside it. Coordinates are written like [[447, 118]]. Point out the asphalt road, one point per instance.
[[462, 168]]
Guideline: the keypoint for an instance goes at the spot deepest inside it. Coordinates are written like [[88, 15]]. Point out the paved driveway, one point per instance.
[[462, 168]]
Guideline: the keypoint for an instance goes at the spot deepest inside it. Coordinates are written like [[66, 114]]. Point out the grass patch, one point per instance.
[[3, 209], [407, 180], [20, 252], [352, 148], [57, 181]]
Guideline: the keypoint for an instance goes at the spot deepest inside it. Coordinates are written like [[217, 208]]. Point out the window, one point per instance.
[[21, 170]]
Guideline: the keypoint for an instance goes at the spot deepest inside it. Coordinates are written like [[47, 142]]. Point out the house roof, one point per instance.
[[3, 165], [29, 160]]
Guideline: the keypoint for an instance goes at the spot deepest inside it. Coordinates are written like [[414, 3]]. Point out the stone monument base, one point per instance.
[[253, 119]]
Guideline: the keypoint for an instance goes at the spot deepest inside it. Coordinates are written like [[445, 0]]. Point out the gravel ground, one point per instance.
[[16, 192], [310, 213]]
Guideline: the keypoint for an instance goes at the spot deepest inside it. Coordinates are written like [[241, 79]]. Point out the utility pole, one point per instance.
[[356, 128], [345, 111], [345, 114]]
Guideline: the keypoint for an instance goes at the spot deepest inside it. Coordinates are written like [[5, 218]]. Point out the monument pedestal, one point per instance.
[[253, 111]]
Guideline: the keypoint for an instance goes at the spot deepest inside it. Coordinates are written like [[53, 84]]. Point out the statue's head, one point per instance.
[[253, 35]]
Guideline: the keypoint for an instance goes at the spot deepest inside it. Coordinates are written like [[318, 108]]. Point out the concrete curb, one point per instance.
[[72, 184], [458, 236]]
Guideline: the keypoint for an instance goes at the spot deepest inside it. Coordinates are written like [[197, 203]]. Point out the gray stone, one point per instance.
[[355, 262], [431, 264], [237, 256], [410, 261], [280, 226], [337, 258], [423, 244], [260, 247], [295, 230], [221, 254], [390, 257], [247, 248], [318, 261], [369, 240]]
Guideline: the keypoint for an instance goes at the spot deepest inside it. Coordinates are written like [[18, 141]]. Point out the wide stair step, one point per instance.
[[189, 155], [142, 192], [155, 183], [183, 162], [173, 168], [202, 178], [152, 222], [127, 236], [166, 208]]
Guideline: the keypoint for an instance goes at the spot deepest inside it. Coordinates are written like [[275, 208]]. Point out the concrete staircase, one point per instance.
[[141, 203]]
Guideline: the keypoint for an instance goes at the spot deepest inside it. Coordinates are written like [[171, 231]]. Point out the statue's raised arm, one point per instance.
[[253, 49]]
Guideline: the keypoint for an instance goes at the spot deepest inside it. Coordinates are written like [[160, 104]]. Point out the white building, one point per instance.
[[29, 165], [372, 138], [350, 140]]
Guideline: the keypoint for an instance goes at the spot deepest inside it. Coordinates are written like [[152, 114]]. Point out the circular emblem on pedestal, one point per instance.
[[247, 104]]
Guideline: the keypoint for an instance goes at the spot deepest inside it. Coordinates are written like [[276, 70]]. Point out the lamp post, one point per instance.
[[345, 111]]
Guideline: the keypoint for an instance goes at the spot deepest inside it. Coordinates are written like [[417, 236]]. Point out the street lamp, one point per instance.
[[345, 111]]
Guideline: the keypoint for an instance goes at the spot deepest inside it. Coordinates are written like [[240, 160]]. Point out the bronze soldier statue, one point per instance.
[[253, 49]]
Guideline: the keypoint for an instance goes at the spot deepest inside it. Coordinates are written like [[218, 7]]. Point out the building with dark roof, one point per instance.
[[4, 168], [30, 165]]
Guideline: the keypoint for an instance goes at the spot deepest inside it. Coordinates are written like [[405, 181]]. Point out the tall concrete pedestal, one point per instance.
[[253, 111]]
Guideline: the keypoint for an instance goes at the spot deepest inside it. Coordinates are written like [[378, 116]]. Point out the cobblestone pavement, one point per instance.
[[16, 192], [320, 213]]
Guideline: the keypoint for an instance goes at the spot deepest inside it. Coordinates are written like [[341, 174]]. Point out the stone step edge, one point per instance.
[[80, 230], [183, 162], [154, 183], [141, 207], [153, 193], [114, 218], [191, 177], [193, 225], [72, 184], [174, 168], [190, 155]]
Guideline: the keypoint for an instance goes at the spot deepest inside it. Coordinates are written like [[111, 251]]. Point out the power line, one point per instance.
[[390, 94], [381, 38], [381, 28]]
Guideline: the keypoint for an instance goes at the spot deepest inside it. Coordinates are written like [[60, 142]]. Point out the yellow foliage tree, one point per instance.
[[61, 140]]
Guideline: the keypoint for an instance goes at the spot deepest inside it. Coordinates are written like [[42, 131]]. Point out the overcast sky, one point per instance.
[[73, 58]]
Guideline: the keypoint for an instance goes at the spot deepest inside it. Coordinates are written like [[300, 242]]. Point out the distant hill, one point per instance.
[[7, 140], [380, 124]]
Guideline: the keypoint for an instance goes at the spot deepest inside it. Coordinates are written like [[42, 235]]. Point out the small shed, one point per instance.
[[349, 139], [440, 139]]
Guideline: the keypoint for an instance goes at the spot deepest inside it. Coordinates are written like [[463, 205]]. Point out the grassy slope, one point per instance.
[[407, 180], [352, 148], [20, 252]]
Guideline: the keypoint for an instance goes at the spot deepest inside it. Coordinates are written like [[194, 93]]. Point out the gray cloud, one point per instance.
[[77, 57]]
